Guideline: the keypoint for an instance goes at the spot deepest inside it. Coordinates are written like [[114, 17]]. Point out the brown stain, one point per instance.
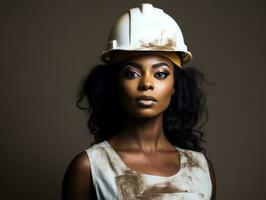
[[192, 162], [157, 191], [131, 186], [155, 44], [162, 188], [187, 177], [190, 178], [201, 195]]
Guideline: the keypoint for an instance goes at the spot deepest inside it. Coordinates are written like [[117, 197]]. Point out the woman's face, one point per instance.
[[146, 75]]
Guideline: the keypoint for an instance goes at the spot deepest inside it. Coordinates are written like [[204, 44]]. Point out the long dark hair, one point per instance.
[[183, 119]]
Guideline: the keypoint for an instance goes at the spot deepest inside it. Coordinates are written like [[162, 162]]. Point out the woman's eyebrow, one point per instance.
[[160, 64], [137, 65]]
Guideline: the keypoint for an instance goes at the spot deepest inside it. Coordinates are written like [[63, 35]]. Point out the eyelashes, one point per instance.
[[165, 74], [158, 75], [130, 74]]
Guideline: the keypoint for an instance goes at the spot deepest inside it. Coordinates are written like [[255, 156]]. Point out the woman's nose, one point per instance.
[[146, 83]]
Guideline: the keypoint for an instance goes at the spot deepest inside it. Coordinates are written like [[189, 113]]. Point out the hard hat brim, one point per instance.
[[108, 55]]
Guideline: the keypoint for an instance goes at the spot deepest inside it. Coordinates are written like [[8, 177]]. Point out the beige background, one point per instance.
[[47, 46]]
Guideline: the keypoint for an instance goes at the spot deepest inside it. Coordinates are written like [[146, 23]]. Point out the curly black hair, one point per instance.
[[182, 120]]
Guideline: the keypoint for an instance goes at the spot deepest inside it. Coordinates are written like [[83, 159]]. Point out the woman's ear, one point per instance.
[[173, 91]]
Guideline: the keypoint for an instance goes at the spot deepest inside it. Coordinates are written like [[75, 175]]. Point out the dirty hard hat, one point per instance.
[[146, 29]]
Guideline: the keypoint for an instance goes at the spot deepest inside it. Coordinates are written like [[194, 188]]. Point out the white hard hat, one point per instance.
[[146, 28]]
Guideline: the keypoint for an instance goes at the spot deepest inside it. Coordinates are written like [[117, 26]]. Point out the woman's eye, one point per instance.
[[131, 74], [161, 75]]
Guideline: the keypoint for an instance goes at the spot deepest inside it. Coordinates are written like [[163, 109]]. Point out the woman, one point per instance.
[[145, 109]]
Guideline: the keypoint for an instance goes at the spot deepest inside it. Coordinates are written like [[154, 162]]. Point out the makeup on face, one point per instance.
[[133, 70], [146, 85]]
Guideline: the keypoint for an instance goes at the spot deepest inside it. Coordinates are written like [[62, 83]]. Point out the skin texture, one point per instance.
[[141, 144], [146, 75]]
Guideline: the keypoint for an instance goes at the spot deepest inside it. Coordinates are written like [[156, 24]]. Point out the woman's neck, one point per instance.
[[145, 134]]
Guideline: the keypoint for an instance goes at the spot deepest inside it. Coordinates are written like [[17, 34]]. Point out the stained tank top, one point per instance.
[[114, 180]]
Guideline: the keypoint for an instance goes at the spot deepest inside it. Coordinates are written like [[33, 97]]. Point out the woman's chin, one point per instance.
[[145, 114]]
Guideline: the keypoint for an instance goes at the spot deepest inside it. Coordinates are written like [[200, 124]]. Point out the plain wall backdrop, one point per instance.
[[47, 47]]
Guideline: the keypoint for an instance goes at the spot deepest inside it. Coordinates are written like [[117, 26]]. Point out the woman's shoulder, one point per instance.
[[77, 178], [79, 168], [80, 162]]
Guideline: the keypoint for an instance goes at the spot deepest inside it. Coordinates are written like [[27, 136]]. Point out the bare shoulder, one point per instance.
[[80, 163], [77, 182], [213, 178]]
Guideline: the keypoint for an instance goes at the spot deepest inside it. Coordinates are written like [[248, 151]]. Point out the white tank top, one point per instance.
[[113, 180]]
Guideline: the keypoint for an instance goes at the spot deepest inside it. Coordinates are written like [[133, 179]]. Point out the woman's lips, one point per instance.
[[146, 101], [144, 97]]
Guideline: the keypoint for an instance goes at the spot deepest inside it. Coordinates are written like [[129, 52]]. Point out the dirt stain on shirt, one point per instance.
[[132, 186], [192, 162], [129, 184], [162, 188]]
